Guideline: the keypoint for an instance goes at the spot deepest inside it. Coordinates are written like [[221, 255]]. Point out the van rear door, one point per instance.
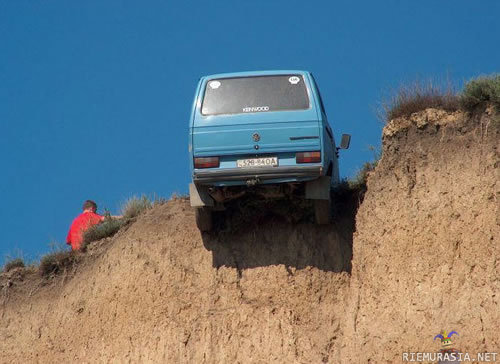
[[260, 114]]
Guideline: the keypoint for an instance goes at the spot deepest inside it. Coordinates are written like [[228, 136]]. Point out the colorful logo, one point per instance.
[[446, 341]]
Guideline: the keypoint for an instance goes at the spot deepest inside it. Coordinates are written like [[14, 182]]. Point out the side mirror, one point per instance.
[[345, 141]]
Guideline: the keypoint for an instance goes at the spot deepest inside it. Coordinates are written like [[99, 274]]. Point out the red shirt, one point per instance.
[[78, 227]]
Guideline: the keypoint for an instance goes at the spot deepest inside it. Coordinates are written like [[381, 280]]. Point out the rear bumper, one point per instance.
[[261, 173]]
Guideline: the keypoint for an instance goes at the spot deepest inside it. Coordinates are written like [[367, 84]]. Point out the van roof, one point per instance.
[[254, 73]]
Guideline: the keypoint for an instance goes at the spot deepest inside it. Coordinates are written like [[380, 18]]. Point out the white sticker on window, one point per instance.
[[214, 85], [294, 80]]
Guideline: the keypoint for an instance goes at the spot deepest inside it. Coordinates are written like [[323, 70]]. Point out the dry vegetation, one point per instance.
[[57, 262], [13, 263], [420, 96], [97, 232], [135, 206], [132, 208], [482, 90]]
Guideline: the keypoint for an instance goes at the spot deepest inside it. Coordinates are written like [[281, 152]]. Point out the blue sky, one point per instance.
[[95, 95]]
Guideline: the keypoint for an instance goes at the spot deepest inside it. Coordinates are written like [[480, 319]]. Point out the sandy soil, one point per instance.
[[426, 251]]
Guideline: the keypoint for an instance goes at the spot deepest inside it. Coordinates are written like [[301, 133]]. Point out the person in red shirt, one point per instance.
[[81, 223]]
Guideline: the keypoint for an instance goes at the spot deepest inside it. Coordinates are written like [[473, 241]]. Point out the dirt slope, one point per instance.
[[426, 252], [156, 294], [424, 258]]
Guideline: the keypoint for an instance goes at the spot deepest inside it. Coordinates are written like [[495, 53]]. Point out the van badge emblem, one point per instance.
[[256, 137]]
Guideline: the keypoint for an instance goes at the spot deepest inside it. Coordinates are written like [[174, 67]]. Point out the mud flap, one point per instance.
[[203, 217], [319, 189], [199, 196]]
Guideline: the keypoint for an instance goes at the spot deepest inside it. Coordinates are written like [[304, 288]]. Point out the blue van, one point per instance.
[[264, 132]]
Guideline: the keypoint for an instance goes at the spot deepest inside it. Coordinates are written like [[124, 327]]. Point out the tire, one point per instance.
[[203, 217], [322, 212]]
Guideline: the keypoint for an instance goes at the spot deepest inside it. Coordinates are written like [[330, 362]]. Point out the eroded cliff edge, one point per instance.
[[426, 251]]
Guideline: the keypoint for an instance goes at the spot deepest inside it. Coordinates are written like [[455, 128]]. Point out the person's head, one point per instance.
[[89, 205]]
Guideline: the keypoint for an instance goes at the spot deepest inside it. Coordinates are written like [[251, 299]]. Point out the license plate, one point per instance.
[[258, 162]]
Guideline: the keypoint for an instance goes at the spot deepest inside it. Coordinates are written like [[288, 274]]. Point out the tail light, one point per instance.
[[206, 162], [308, 157]]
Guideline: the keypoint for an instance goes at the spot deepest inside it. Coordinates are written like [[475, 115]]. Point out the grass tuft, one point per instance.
[[12, 264], [100, 231], [480, 91], [419, 96], [56, 263], [134, 206]]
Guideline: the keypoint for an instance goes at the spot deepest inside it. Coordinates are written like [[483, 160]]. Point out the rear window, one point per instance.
[[255, 94]]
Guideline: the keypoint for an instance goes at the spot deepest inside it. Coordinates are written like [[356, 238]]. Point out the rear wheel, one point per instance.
[[322, 212], [204, 218]]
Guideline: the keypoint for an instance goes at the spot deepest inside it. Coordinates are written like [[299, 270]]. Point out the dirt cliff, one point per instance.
[[426, 248], [419, 256]]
